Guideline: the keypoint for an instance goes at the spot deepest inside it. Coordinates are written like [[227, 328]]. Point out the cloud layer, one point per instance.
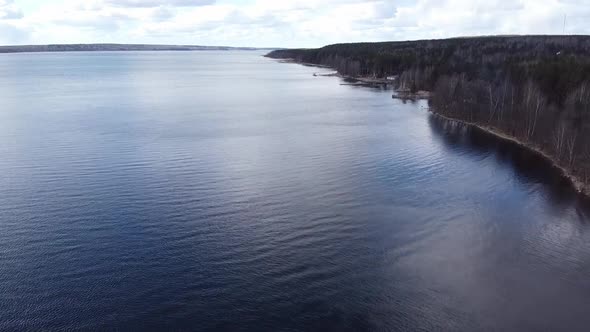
[[9, 10], [300, 23]]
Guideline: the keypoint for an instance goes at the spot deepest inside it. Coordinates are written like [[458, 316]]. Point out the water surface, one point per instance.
[[227, 191]]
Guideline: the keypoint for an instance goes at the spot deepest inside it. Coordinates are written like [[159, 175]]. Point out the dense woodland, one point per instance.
[[533, 88]]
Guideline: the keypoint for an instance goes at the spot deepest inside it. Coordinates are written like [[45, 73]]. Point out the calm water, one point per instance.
[[227, 191]]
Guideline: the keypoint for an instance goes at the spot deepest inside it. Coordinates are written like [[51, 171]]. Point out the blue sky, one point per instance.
[[280, 23]]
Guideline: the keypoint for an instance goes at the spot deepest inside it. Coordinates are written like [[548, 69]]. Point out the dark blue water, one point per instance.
[[227, 191]]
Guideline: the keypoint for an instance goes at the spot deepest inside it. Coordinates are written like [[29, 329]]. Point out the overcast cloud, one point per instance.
[[280, 23]]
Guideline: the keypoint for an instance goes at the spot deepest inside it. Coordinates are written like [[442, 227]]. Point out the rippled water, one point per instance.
[[227, 191]]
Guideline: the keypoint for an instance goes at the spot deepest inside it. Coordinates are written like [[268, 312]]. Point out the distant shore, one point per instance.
[[118, 47]]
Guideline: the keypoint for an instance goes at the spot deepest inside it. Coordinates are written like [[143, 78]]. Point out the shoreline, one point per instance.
[[577, 184], [356, 80], [418, 95], [307, 64], [360, 79]]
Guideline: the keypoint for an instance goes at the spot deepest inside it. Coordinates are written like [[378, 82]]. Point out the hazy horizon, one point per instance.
[[278, 47], [285, 24]]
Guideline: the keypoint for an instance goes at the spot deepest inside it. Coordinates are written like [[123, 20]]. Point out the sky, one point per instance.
[[280, 23]]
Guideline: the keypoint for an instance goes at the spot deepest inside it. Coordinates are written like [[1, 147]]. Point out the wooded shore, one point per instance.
[[533, 90]]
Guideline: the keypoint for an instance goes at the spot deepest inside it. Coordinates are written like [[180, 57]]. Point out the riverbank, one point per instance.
[[579, 185], [308, 64], [404, 94], [358, 80], [361, 80]]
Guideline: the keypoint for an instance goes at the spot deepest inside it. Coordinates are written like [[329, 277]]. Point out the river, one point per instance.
[[227, 191]]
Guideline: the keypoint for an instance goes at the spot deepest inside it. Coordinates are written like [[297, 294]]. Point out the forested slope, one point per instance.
[[533, 88]]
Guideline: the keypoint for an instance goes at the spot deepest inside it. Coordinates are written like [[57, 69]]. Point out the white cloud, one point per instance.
[[11, 34], [289, 23], [158, 3], [9, 10]]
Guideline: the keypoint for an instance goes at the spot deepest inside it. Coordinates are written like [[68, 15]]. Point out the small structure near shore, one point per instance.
[[406, 94]]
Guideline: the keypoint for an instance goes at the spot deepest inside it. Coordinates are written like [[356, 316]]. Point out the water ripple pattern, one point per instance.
[[223, 191]]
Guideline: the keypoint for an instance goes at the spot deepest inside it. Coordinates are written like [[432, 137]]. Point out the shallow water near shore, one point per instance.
[[228, 191]]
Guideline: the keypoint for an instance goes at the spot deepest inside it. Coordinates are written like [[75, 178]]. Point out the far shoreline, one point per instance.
[[108, 47]]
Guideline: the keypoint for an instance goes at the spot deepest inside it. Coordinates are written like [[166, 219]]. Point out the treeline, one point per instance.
[[533, 88]]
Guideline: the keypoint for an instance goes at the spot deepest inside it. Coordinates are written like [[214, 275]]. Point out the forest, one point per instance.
[[535, 89]]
